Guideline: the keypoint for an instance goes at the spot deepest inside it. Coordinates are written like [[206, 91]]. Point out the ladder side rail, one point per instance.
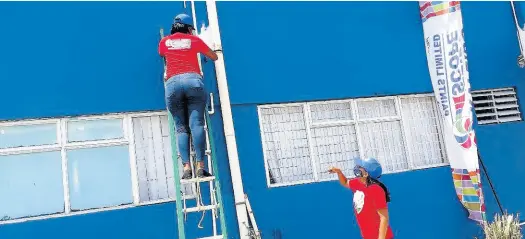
[[175, 159], [218, 191], [210, 169], [252, 217]]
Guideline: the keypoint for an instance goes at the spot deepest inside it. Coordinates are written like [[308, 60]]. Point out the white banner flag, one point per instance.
[[447, 64]]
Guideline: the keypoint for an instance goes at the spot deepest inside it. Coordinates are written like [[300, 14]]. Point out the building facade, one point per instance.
[[312, 85]]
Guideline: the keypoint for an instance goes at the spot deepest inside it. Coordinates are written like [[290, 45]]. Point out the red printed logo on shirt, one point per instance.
[[359, 201], [178, 44]]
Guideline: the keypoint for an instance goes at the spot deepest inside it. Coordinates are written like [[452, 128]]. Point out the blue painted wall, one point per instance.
[[98, 57], [90, 58], [289, 51]]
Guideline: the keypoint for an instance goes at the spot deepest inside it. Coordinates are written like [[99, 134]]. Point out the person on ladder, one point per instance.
[[370, 198], [184, 90]]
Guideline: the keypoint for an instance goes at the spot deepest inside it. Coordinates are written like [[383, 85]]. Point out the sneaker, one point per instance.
[[201, 173], [187, 174]]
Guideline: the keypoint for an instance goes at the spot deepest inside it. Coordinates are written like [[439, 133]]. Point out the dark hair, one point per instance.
[[181, 28], [371, 181]]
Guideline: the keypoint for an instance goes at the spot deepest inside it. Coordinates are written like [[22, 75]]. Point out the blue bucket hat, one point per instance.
[[184, 19], [370, 165]]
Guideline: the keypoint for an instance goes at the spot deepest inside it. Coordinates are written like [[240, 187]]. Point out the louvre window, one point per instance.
[[496, 106]]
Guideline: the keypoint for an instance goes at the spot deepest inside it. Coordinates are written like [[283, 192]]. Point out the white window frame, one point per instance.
[[63, 146], [133, 158], [355, 121], [440, 130]]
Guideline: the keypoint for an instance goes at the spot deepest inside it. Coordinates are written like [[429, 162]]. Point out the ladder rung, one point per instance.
[[197, 180], [201, 208], [212, 237]]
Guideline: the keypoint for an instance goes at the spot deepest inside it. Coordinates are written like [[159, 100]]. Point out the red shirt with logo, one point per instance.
[[180, 51], [367, 200]]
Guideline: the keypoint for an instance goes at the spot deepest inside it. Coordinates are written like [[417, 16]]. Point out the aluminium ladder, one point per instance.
[[214, 183], [253, 229]]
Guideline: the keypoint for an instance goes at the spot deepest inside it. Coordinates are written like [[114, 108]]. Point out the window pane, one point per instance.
[[286, 144], [31, 185], [86, 130], [335, 146], [421, 123], [154, 162], [326, 112], [384, 141], [28, 135], [370, 109], [99, 177]]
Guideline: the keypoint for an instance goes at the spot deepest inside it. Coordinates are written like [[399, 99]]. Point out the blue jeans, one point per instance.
[[186, 100]]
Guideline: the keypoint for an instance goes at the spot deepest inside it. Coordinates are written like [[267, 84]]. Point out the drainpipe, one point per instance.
[[229, 131]]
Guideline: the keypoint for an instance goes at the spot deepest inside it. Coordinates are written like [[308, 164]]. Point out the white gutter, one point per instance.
[[229, 131]]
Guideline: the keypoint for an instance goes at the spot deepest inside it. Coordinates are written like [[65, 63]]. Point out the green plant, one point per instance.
[[503, 227]]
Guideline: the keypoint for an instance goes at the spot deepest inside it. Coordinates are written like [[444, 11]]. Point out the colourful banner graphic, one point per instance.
[[447, 64]]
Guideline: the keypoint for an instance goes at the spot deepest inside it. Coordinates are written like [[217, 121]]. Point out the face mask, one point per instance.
[[357, 172]]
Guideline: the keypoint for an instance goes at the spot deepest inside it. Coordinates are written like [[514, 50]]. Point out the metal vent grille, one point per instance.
[[496, 106]]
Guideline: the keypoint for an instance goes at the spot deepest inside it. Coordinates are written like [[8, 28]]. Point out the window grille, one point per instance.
[[302, 141]]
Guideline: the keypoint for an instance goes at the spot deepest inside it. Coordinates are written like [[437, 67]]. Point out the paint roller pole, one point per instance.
[[229, 132]]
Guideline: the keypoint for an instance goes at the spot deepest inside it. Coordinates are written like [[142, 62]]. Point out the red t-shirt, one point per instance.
[[180, 51], [367, 200]]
